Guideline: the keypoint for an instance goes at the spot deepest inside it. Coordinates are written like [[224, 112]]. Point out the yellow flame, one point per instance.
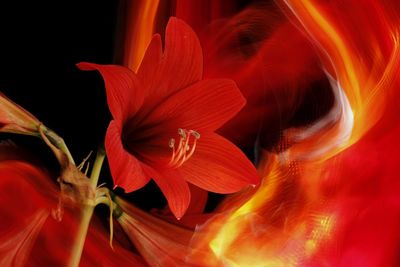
[[232, 228], [258, 232]]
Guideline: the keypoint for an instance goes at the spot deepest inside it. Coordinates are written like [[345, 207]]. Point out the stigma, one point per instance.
[[185, 148]]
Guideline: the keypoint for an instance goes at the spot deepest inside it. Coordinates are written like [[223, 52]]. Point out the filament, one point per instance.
[[185, 149]]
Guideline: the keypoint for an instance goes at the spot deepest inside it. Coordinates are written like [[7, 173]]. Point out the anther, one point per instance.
[[171, 143], [195, 134], [182, 133]]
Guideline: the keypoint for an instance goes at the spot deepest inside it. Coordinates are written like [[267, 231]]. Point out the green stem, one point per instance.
[[58, 141], [86, 213], [95, 174], [116, 208], [79, 243]]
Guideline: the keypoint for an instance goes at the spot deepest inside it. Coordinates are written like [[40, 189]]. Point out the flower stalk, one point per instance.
[[86, 213], [78, 187], [95, 174]]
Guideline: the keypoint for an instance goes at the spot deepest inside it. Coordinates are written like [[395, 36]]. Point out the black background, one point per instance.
[[40, 45]]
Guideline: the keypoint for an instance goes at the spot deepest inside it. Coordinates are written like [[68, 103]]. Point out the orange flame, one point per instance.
[[281, 223], [140, 25], [365, 79], [293, 214]]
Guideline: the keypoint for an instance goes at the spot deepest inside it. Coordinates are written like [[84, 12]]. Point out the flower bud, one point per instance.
[[15, 119]]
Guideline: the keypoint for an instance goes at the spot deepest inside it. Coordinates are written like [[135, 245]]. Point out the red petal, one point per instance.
[[206, 105], [151, 63], [125, 168], [174, 188], [219, 166], [159, 242], [198, 199], [124, 91], [182, 62], [194, 215]]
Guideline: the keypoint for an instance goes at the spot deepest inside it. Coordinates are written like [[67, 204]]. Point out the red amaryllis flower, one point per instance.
[[165, 116]]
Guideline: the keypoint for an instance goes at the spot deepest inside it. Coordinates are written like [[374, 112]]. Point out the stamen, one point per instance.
[[195, 134], [182, 158], [182, 143], [192, 150], [181, 140], [171, 143], [182, 133], [185, 148]]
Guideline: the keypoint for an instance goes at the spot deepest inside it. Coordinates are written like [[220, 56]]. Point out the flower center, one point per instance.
[[185, 148]]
